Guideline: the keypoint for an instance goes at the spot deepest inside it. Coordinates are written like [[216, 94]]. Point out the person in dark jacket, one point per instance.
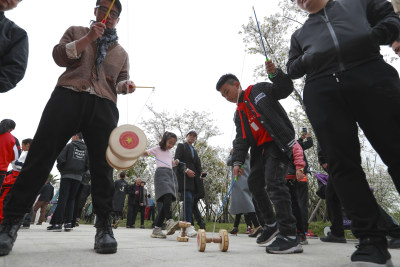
[[136, 199], [119, 198], [13, 49], [190, 185], [262, 124], [348, 84], [46, 194], [72, 163]]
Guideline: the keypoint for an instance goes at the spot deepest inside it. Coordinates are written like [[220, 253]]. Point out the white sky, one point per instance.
[[180, 47]]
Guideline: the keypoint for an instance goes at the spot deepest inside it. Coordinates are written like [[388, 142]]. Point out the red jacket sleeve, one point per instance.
[[298, 157]]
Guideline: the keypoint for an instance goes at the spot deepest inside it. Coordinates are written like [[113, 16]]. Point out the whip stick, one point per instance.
[[108, 12]]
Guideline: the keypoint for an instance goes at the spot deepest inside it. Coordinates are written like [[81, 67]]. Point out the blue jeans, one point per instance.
[[188, 206]]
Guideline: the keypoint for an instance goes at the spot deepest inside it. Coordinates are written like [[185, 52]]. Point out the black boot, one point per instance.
[[8, 234], [104, 241]]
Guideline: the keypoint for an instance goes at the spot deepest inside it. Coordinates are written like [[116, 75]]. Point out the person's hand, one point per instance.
[[141, 204], [396, 47], [270, 67], [299, 175], [128, 87], [190, 173], [176, 161], [96, 31], [304, 136], [136, 192], [325, 165], [237, 171]]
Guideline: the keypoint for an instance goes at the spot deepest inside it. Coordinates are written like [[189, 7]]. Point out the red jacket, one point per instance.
[[8, 150]]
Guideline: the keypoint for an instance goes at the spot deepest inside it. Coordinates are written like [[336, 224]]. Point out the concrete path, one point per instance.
[[36, 247]]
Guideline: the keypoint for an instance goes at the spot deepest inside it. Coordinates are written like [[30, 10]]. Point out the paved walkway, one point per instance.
[[36, 247]]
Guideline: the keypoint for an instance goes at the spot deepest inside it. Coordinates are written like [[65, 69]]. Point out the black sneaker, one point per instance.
[[234, 231], [8, 234], [67, 227], [372, 250], [54, 228], [302, 239], [256, 232], [267, 234], [142, 226], [284, 245], [333, 239]]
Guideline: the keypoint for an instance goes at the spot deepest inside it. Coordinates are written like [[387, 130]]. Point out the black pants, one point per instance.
[[302, 197], [66, 113], [197, 214], [151, 213], [367, 96], [66, 201], [291, 184], [268, 167], [166, 212], [334, 208], [258, 213], [133, 210]]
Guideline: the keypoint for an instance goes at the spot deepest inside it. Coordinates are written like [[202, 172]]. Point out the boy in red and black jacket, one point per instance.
[[262, 124]]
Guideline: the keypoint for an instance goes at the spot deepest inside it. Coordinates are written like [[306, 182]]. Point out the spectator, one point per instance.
[[72, 163], [151, 204], [13, 49], [81, 197], [9, 147], [135, 204], [46, 193]]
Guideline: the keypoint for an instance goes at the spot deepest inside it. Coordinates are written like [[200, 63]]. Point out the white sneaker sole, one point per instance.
[[389, 263], [296, 249], [158, 236]]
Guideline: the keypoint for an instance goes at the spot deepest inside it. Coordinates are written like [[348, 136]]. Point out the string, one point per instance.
[[108, 12]]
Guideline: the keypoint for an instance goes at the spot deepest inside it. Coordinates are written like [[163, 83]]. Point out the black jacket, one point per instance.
[[264, 97], [13, 53], [343, 35], [46, 193], [73, 159], [130, 190], [184, 154]]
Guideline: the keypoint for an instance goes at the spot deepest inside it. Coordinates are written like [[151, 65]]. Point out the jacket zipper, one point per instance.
[[335, 41]]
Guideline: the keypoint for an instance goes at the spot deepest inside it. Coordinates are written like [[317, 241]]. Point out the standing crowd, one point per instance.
[[347, 85]]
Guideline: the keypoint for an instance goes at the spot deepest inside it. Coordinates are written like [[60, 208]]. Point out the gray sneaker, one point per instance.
[[157, 233], [172, 226]]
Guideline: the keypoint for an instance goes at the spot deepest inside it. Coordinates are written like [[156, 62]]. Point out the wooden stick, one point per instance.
[[108, 12]]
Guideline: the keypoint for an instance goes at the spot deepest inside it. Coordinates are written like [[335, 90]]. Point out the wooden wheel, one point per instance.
[[223, 246], [182, 238], [117, 163], [184, 224], [201, 240], [127, 142]]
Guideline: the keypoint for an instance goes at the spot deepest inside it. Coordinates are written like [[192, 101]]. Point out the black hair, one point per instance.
[[80, 136], [227, 78], [122, 175], [149, 196], [117, 3], [27, 141], [167, 135], [6, 125]]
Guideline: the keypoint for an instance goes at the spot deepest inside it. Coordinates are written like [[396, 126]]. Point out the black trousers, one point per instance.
[[297, 212], [302, 198], [268, 168], [196, 213], [133, 210], [66, 113], [165, 212], [66, 201], [367, 96]]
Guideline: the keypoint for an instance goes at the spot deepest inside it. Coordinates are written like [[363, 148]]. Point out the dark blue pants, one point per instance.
[[66, 201]]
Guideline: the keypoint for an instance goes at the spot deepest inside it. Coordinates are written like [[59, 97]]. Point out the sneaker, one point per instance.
[[129, 226], [39, 223], [284, 245], [191, 232], [157, 233], [256, 232], [249, 230], [333, 239], [372, 251], [172, 226], [67, 227], [142, 226], [234, 231], [8, 234], [25, 226], [267, 234], [54, 228], [302, 238], [310, 234], [393, 242]]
